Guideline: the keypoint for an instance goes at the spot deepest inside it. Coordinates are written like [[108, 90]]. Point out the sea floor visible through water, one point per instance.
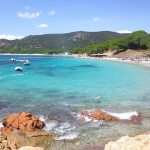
[[57, 89]]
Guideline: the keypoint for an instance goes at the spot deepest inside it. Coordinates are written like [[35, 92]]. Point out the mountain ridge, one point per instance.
[[61, 41]]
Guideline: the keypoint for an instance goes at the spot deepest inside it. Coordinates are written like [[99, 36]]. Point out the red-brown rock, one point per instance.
[[23, 121], [6, 130], [99, 115]]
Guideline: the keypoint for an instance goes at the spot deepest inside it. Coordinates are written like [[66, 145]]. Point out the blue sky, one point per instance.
[[26, 17]]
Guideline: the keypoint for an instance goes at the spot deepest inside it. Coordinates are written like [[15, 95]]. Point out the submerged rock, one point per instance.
[[139, 142], [23, 121], [99, 115], [134, 120]]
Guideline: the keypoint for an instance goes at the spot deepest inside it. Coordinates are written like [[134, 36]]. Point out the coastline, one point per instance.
[[99, 140], [142, 63]]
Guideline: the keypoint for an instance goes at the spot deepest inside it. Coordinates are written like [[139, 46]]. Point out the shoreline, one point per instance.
[[142, 63], [97, 140], [138, 62]]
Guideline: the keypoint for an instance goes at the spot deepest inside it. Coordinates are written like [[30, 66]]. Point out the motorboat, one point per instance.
[[18, 69], [26, 62], [13, 59]]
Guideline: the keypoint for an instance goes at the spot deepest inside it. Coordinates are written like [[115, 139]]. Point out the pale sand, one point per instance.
[[136, 62]]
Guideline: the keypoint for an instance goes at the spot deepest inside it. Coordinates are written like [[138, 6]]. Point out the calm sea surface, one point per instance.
[[60, 88]]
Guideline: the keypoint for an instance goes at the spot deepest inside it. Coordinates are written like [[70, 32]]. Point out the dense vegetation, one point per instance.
[[137, 40], [56, 43], [78, 42]]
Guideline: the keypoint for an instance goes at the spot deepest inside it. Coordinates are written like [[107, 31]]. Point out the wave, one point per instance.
[[70, 136], [86, 119], [124, 116], [62, 130], [68, 131], [120, 116], [1, 125]]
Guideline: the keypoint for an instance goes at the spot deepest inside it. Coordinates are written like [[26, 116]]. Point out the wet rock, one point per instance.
[[139, 142], [30, 148], [23, 121], [134, 120], [99, 115]]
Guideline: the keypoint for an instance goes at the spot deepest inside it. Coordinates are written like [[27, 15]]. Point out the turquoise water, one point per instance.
[[56, 87]]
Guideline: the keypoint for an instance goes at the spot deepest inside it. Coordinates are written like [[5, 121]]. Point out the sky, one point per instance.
[[19, 18]]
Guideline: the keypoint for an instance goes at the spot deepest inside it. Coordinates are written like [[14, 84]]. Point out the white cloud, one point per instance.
[[124, 31], [10, 37], [29, 15], [43, 25], [52, 13], [96, 19]]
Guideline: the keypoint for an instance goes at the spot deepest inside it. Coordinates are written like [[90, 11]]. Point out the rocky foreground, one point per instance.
[[139, 142], [23, 131]]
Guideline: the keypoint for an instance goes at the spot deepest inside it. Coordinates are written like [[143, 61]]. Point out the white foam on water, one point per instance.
[[1, 125], [121, 116], [42, 118], [62, 130], [85, 118], [51, 125], [70, 136], [124, 116], [65, 131], [80, 117], [98, 97]]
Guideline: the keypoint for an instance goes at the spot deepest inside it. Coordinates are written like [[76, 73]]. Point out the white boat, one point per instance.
[[26, 62], [18, 69], [13, 59]]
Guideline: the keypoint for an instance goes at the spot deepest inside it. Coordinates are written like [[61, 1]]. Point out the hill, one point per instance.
[[139, 40], [49, 43]]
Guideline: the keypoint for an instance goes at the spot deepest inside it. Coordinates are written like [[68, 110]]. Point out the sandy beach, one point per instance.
[[141, 62]]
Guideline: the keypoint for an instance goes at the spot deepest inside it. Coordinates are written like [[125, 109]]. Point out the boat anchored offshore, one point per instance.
[[26, 62], [13, 59], [18, 69]]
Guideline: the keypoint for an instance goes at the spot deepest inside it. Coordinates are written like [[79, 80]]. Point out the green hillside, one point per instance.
[[56, 43], [138, 40]]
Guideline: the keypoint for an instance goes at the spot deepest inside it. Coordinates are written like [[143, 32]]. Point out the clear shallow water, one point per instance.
[[59, 88]]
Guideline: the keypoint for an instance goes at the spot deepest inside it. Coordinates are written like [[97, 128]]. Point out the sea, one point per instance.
[[57, 89]]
